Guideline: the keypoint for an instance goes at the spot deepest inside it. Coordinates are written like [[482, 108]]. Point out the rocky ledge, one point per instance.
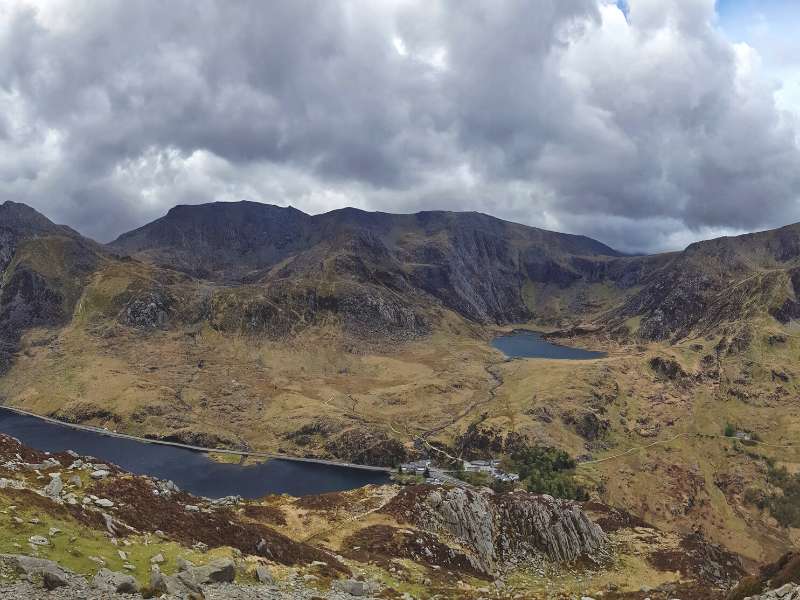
[[504, 530]]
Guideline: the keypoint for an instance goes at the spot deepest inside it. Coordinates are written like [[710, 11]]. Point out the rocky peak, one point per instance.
[[26, 221]]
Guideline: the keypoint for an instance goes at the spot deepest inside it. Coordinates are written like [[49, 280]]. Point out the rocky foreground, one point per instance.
[[73, 527]]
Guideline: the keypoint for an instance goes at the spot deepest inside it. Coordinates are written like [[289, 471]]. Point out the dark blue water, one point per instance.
[[529, 344], [191, 471]]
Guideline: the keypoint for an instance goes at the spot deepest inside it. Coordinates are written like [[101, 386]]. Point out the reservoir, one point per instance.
[[192, 471], [530, 344]]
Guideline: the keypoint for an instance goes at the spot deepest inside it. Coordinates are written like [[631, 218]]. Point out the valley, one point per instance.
[[353, 336]]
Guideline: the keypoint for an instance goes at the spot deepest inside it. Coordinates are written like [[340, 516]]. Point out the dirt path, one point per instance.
[[497, 381], [678, 436]]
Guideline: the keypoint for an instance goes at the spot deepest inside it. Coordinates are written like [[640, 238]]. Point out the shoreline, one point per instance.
[[134, 438]]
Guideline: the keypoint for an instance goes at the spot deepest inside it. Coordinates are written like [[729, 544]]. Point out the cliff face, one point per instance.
[[718, 281], [473, 264], [507, 529], [42, 268]]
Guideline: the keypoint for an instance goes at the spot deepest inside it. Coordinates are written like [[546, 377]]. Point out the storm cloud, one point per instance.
[[646, 128]]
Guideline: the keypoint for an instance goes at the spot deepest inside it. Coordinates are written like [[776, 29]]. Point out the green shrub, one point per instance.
[[545, 470]]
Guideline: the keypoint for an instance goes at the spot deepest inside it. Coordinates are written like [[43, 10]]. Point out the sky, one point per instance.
[[646, 124]]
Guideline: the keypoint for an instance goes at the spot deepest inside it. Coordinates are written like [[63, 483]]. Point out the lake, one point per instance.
[[530, 344], [190, 470]]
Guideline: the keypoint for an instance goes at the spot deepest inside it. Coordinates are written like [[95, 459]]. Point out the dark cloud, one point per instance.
[[646, 129]]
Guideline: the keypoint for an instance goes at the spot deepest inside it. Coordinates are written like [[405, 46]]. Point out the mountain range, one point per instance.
[[392, 274], [362, 336]]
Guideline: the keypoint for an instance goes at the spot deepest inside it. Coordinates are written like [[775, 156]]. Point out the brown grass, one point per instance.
[[140, 508]]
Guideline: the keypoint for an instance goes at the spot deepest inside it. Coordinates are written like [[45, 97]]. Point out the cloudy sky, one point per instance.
[[646, 124]]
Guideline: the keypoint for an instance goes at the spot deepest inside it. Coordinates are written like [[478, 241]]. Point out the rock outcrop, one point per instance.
[[504, 529], [790, 591], [49, 573], [146, 311]]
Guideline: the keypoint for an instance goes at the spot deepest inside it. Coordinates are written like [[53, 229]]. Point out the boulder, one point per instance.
[[355, 587], [111, 581], [220, 570], [53, 489], [148, 311], [161, 584], [54, 578], [183, 564], [39, 540], [264, 575], [51, 574], [182, 584], [188, 580]]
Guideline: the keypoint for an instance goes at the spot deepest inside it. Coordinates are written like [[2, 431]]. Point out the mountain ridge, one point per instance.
[[486, 269]]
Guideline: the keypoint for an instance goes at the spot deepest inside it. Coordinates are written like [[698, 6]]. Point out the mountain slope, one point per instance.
[[43, 267], [717, 282], [472, 263]]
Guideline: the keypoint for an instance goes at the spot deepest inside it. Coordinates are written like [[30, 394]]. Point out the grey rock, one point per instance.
[[181, 584], [160, 583], [51, 573], [264, 575], [790, 591], [148, 311], [39, 540], [216, 571], [512, 526], [53, 489], [111, 581], [99, 474], [183, 564], [355, 587], [53, 579]]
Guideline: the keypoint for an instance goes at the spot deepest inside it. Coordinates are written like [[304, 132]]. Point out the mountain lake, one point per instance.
[[522, 343], [191, 470]]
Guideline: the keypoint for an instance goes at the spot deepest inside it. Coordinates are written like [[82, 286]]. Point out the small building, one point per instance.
[[417, 467], [482, 466]]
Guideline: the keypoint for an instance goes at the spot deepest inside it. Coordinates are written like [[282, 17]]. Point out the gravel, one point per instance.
[[79, 589]]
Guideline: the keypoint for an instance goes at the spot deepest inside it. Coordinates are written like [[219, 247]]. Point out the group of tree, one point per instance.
[[541, 470], [546, 470]]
